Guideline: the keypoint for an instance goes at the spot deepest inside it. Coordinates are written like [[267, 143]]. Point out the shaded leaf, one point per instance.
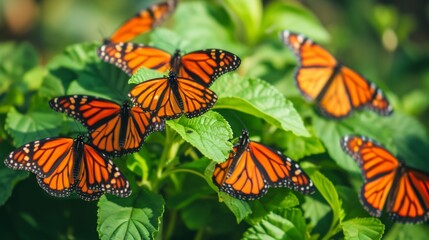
[[275, 198], [239, 208]]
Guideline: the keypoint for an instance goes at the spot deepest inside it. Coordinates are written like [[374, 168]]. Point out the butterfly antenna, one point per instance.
[[102, 35], [239, 120]]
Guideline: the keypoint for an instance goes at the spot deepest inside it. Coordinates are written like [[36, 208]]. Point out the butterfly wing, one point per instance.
[[140, 125], [52, 160], [338, 90], [409, 202], [379, 169], [279, 170], [130, 57], [100, 116], [97, 173], [239, 177], [196, 98], [144, 21], [205, 66], [157, 96]]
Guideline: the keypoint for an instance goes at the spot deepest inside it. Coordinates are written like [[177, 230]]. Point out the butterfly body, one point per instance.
[[64, 165], [252, 168], [337, 89], [388, 182], [172, 96], [115, 129]]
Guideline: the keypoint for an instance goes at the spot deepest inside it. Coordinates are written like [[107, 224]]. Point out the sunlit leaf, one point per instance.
[[209, 133], [363, 229], [32, 125], [135, 217], [279, 224], [280, 16], [258, 98]]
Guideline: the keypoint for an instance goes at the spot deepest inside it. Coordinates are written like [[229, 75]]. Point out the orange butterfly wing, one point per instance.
[[338, 90], [205, 66], [115, 130], [98, 173], [52, 160], [409, 203], [144, 21], [404, 191], [130, 57], [252, 167], [170, 97]]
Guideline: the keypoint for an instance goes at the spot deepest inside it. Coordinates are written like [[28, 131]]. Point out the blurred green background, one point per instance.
[[388, 41]]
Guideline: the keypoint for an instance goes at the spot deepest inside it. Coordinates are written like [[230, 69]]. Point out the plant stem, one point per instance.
[[171, 224], [171, 148]]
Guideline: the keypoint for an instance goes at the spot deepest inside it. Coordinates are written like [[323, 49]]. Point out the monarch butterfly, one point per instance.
[[63, 165], [389, 182], [253, 167], [114, 129], [338, 90], [171, 96], [143, 21], [203, 65]]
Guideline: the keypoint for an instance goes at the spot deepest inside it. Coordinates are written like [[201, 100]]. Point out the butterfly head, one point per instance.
[[244, 138], [172, 75], [126, 105]]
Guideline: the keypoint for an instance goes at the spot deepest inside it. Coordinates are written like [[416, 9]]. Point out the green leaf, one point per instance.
[[144, 74], [363, 228], [275, 198], [36, 124], [135, 217], [315, 210], [296, 147], [279, 224], [82, 72], [280, 15], [408, 231], [205, 213], [350, 202], [239, 208], [209, 133], [211, 27], [327, 189], [250, 14], [258, 98]]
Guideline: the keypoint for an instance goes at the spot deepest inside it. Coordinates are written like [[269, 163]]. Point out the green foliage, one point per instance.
[[279, 224], [209, 133], [258, 98], [136, 217], [363, 228], [174, 196]]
